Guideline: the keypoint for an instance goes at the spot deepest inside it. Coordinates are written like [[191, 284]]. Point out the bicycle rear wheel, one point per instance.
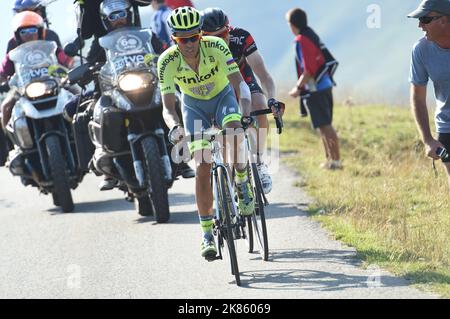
[[259, 218], [249, 239], [227, 225]]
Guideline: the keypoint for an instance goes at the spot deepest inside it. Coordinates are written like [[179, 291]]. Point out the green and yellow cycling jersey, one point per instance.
[[216, 63]]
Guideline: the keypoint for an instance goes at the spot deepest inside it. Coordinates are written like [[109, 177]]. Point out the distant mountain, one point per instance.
[[374, 62]]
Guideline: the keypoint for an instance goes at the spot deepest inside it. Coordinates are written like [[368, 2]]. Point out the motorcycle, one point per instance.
[[45, 145], [129, 139]]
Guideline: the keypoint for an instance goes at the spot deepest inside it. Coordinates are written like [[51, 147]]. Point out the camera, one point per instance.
[[442, 153]]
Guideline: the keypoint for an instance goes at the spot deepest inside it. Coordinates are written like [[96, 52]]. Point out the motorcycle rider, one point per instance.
[[27, 26], [117, 14], [90, 24], [35, 6], [19, 6]]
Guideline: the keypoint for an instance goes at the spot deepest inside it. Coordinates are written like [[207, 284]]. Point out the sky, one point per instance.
[[371, 39]]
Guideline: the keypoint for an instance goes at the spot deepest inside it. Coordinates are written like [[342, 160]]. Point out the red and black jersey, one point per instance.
[[241, 46]]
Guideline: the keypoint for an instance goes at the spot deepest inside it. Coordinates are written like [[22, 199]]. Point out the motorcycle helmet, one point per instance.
[[27, 19], [30, 5], [108, 7]]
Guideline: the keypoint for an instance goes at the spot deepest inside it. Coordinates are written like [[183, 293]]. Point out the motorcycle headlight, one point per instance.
[[133, 81], [40, 89], [35, 90]]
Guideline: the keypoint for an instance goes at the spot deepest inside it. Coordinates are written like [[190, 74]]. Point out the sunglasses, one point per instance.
[[222, 34], [185, 40], [427, 20], [26, 31], [117, 15]]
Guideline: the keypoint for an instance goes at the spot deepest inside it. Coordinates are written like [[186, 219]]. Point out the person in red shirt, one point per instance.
[[173, 4], [319, 98]]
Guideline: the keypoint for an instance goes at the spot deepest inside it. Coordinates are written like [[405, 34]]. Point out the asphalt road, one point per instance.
[[106, 250]]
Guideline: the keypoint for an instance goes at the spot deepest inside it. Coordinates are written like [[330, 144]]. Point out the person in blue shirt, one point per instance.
[[159, 22], [431, 61]]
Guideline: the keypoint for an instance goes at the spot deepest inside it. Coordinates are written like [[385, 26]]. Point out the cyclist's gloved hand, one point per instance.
[[277, 107], [176, 134]]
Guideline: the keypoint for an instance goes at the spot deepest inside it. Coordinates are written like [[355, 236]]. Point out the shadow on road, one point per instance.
[[175, 218], [120, 204], [329, 256], [106, 206], [314, 280], [178, 199], [283, 210], [304, 278]]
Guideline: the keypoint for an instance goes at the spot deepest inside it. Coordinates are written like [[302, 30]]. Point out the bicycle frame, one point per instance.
[[217, 163]]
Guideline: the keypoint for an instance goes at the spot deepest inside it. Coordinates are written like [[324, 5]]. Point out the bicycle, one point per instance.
[[229, 225], [257, 221]]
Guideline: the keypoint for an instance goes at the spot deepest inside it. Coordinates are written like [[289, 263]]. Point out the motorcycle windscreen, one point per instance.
[[34, 60], [129, 49]]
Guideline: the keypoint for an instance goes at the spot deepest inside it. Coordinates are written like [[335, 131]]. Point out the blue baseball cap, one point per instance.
[[441, 6]]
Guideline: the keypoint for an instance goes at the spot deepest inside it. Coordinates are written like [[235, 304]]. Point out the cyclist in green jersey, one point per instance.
[[207, 76]]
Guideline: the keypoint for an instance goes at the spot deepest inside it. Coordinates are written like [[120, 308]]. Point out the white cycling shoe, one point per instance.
[[266, 179]]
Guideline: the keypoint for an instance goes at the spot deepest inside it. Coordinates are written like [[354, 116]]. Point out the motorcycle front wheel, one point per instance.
[[155, 174], [61, 193]]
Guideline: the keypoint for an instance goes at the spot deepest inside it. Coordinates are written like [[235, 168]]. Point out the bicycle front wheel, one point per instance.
[[227, 223]]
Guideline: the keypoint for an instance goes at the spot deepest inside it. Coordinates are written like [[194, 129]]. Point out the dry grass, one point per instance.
[[387, 201]]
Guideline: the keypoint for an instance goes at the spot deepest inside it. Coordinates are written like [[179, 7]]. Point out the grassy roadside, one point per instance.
[[387, 202]]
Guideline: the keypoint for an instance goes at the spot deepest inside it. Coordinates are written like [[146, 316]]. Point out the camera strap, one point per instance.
[[434, 169]]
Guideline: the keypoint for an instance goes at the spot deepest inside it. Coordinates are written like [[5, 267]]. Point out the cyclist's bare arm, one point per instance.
[[256, 62], [238, 83], [169, 111], [420, 112]]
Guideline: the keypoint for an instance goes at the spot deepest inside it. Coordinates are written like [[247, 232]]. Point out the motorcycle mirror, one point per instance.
[[4, 87], [73, 48], [79, 73]]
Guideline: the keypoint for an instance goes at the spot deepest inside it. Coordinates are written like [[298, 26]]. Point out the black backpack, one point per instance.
[[329, 66], [331, 63]]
